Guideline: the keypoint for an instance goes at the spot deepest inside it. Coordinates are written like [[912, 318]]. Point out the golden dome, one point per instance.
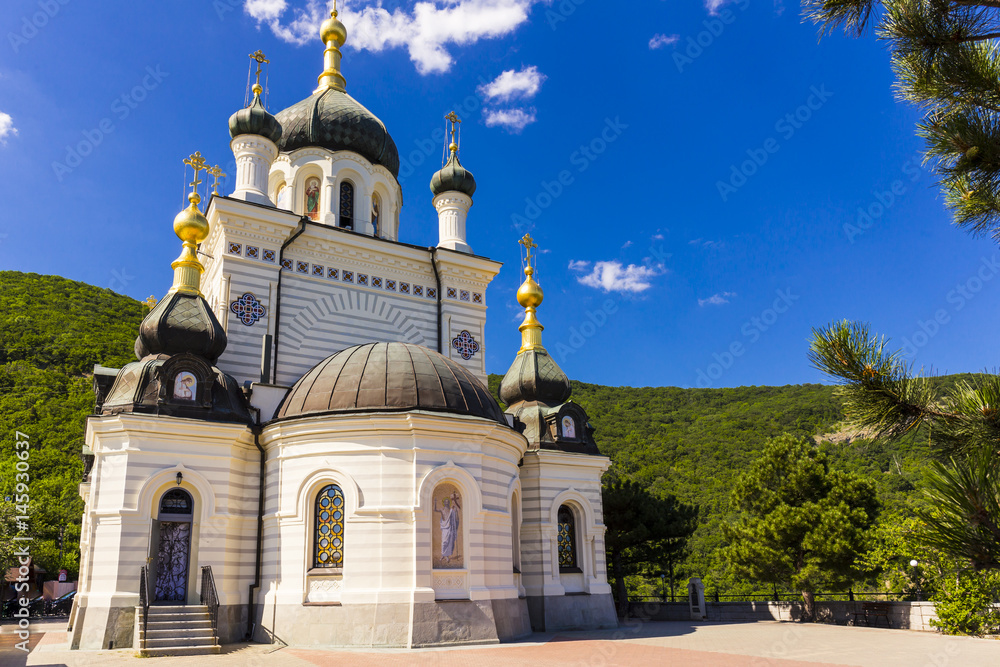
[[530, 294], [190, 225], [333, 29]]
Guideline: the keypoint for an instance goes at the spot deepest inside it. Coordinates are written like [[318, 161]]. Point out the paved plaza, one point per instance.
[[634, 645]]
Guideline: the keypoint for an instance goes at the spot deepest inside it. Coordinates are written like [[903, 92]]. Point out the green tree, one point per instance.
[[946, 62], [800, 523], [882, 397], [967, 606], [644, 531]]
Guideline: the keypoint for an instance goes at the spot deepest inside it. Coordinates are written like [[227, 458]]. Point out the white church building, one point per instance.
[[305, 451]]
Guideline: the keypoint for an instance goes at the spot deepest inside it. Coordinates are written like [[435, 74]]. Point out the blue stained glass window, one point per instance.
[[566, 538]]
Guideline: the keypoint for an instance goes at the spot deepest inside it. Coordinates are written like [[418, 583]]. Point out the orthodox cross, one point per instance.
[[259, 56], [455, 120], [197, 163], [217, 173], [150, 302], [528, 244]]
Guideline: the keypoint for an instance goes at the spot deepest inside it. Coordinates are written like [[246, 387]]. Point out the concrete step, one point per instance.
[[178, 625], [171, 642], [185, 650], [179, 616], [178, 634]]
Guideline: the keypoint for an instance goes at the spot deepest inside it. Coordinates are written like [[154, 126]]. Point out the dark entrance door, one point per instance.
[[172, 561]]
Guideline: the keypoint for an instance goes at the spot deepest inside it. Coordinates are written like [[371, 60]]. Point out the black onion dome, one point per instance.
[[535, 376], [453, 177], [181, 323], [255, 120], [334, 120], [392, 377]]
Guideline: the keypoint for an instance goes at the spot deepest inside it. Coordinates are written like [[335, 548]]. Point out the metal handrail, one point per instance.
[[210, 597], [144, 601]]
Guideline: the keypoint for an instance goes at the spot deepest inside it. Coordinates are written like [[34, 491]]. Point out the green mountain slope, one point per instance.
[[52, 332], [688, 442]]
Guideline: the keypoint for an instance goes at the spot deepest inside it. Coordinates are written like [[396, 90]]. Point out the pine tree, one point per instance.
[[883, 399], [800, 524], [946, 60]]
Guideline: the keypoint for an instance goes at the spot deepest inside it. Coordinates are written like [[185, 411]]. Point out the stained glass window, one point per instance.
[[566, 538], [329, 549], [376, 214], [347, 205]]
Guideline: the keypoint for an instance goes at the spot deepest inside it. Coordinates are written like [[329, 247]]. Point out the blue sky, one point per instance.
[[714, 160]]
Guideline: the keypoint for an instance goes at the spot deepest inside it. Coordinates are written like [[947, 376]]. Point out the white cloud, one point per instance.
[[658, 237], [7, 128], [613, 277], [659, 40], [627, 244], [713, 6], [717, 299], [426, 32], [578, 265], [513, 120], [511, 85]]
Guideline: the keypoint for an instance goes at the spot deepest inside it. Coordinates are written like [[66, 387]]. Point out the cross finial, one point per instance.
[[197, 163], [528, 244], [455, 120], [150, 302], [217, 173], [334, 12], [259, 56]]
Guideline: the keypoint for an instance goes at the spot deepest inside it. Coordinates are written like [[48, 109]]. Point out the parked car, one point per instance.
[[35, 606], [61, 605]]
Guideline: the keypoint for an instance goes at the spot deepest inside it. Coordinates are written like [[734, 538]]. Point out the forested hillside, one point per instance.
[[52, 332], [687, 442]]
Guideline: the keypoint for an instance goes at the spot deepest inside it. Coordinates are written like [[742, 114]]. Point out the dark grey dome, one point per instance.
[[535, 376], [334, 120], [453, 177], [389, 377], [181, 322], [255, 120]]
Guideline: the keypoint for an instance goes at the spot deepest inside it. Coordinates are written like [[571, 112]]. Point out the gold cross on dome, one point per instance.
[[150, 302], [259, 56], [455, 120], [528, 244], [217, 173], [197, 163]]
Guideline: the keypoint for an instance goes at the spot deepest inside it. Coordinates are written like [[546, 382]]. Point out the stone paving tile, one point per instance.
[[765, 644]]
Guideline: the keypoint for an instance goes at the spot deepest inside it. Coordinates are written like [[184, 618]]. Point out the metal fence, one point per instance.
[[777, 596]]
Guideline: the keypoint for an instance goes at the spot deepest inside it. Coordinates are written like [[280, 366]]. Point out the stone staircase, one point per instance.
[[180, 630]]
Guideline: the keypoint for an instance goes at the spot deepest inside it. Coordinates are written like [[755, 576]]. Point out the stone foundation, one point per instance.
[[393, 625], [572, 612], [103, 628]]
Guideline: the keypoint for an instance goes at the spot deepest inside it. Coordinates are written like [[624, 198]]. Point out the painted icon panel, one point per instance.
[[447, 542]]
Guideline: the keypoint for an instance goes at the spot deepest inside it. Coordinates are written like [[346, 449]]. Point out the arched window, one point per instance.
[[347, 205], [282, 197], [328, 550], [312, 198], [566, 538], [176, 501], [376, 214]]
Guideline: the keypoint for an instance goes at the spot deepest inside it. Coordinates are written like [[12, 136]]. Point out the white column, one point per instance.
[[254, 155], [453, 209]]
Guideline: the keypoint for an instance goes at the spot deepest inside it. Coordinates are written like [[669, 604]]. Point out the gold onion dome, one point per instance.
[[332, 30], [530, 294], [190, 225]]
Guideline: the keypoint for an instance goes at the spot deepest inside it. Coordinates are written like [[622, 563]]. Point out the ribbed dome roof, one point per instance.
[[255, 120], [180, 323], [334, 120], [389, 377], [453, 177], [535, 376]]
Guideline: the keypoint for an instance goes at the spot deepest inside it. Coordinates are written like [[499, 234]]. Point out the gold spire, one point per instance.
[[191, 227], [334, 34], [455, 120], [530, 296]]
